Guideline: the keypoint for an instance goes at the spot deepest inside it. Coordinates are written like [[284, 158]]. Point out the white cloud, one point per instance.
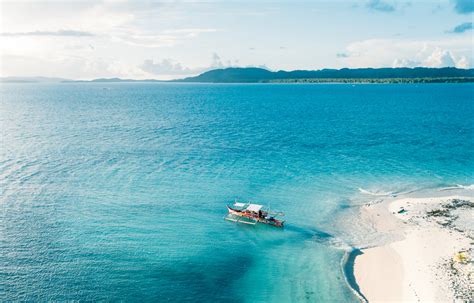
[[165, 67], [170, 68], [217, 62], [127, 22], [190, 32], [440, 58], [405, 63], [166, 38], [84, 67], [463, 62], [409, 53], [58, 33], [101, 39]]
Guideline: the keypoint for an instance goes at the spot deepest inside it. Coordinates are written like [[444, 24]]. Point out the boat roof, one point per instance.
[[248, 206], [254, 207]]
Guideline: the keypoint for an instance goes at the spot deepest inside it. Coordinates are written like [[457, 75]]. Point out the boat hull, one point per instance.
[[255, 217]]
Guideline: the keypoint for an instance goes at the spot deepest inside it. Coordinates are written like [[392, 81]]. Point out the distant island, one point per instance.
[[345, 75], [261, 75]]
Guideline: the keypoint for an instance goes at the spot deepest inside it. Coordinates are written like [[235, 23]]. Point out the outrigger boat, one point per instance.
[[252, 214]]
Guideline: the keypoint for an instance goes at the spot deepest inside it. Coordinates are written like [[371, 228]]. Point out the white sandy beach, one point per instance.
[[418, 266]]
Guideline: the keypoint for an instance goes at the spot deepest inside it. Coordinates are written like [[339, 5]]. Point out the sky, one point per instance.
[[174, 39]]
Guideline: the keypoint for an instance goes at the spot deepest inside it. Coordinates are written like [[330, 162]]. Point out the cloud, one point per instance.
[[84, 67], [190, 32], [165, 67], [170, 67], [463, 62], [216, 61], [463, 6], [149, 24], [342, 55], [409, 53], [405, 63], [165, 38], [381, 6], [461, 28], [59, 33], [440, 58], [137, 38]]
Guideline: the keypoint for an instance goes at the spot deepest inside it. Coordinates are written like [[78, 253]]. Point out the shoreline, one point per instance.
[[347, 266], [422, 234]]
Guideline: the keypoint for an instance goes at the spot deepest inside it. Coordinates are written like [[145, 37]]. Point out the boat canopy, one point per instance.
[[254, 207]]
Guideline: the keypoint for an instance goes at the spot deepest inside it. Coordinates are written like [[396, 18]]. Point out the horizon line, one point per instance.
[[61, 79]]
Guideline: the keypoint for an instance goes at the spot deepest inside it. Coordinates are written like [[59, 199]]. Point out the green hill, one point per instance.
[[254, 75]]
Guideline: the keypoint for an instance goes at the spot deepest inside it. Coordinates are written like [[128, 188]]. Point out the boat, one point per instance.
[[249, 213]]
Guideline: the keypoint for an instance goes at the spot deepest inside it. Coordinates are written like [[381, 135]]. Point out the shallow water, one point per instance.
[[119, 193]]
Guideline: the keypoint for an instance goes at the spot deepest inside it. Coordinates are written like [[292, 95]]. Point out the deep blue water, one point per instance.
[[120, 193]]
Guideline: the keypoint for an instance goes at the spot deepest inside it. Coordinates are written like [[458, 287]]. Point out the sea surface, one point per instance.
[[117, 191]]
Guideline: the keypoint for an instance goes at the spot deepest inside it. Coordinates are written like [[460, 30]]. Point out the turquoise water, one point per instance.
[[118, 191]]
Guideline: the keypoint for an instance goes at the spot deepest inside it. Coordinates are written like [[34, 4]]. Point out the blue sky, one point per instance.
[[174, 39]]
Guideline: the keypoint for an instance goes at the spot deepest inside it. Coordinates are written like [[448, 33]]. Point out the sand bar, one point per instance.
[[417, 264]]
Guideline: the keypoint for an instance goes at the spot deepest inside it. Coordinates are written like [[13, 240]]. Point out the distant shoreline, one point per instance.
[[379, 80], [282, 81], [261, 75]]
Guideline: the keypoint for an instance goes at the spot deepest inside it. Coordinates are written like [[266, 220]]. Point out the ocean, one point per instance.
[[117, 191]]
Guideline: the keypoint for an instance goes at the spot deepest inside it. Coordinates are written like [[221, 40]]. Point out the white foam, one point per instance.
[[377, 193], [471, 186], [458, 186], [340, 244]]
